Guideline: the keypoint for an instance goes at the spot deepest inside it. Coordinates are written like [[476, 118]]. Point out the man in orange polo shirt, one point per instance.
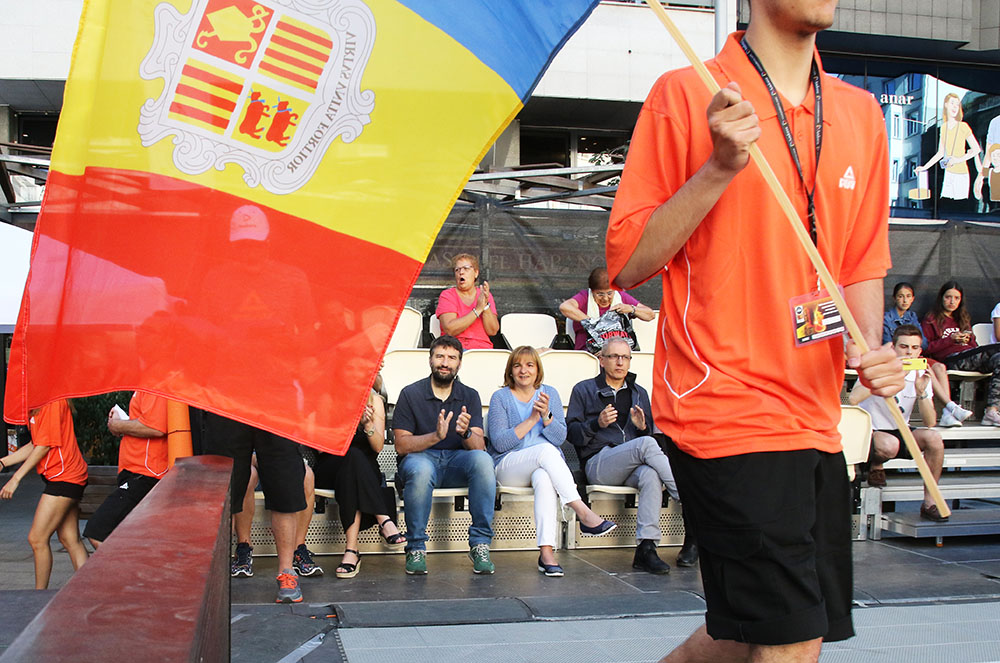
[[752, 411], [142, 460]]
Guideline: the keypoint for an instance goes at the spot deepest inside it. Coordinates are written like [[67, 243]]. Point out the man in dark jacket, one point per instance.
[[610, 423]]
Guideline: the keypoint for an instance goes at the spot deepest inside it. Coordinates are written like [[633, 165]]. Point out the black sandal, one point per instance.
[[397, 540], [351, 570]]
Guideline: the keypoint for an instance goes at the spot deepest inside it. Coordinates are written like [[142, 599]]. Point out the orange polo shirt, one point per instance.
[[142, 455], [52, 427], [728, 378]]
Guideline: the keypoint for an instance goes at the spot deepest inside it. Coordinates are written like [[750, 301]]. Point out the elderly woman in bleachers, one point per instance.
[[526, 427], [597, 299]]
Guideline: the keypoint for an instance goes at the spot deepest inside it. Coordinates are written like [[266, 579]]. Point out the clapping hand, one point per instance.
[[541, 406], [443, 423], [484, 296], [638, 417], [462, 423], [607, 416]]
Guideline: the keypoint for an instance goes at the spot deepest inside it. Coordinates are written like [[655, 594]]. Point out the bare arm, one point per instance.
[[453, 325], [571, 309], [373, 423], [734, 127], [132, 427], [996, 328], [879, 369], [925, 401], [35, 455], [491, 323]]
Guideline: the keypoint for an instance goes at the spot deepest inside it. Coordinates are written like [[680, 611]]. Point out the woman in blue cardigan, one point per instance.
[[526, 428]]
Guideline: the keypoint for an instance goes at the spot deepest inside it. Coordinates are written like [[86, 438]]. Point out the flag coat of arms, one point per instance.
[[242, 193]]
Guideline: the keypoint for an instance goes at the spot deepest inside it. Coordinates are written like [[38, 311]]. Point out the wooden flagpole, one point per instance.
[[824, 274]]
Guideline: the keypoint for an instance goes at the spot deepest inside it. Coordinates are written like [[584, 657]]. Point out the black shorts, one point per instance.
[[279, 463], [73, 491], [903, 451], [774, 539], [132, 488]]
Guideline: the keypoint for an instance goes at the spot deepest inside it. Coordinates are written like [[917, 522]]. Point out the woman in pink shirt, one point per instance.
[[466, 311]]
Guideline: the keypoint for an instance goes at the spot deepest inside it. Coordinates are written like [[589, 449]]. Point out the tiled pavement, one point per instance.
[[916, 603]]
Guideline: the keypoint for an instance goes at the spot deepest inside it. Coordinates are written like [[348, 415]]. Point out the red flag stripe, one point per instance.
[[299, 32], [296, 46], [194, 93], [171, 302], [288, 75], [218, 81], [198, 114], [295, 62]]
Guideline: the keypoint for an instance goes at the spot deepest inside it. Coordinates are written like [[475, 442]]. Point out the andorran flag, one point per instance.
[[242, 194]]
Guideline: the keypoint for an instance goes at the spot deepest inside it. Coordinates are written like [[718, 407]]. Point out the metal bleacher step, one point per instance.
[[963, 522], [953, 485], [956, 459]]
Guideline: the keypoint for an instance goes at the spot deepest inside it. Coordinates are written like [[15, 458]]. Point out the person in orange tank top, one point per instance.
[[54, 451]]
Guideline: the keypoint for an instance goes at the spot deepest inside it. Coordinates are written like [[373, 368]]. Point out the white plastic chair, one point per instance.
[[483, 371], [983, 331], [534, 329], [435, 326], [642, 366], [564, 368], [855, 429], [406, 336], [403, 367], [645, 332]]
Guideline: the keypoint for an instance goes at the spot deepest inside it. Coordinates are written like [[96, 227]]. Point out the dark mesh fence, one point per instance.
[[535, 258]]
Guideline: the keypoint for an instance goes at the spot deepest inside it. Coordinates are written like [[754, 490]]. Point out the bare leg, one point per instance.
[[69, 536], [283, 526], [701, 648], [885, 446], [50, 512], [547, 554], [931, 443], [352, 542], [304, 517], [583, 512], [243, 520], [939, 383]]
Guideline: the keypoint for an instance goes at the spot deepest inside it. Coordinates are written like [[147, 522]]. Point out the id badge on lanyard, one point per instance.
[[814, 315]]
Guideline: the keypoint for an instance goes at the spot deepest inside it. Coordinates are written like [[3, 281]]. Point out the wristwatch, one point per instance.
[[467, 434]]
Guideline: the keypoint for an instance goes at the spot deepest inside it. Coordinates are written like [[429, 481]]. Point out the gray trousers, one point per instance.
[[639, 463]]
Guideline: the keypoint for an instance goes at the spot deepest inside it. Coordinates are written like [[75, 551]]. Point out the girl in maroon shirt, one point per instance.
[[948, 330]]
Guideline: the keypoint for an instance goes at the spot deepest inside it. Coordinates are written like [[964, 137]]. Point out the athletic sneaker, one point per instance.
[[303, 562], [991, 418], [288, 587], [242, 564], [416, 563], [949, 420], [480, 556], [960, 412]]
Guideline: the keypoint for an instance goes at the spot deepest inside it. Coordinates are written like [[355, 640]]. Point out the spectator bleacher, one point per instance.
[[972, 459]]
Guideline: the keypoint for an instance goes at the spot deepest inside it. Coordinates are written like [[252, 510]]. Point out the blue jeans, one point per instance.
[[424, 471]]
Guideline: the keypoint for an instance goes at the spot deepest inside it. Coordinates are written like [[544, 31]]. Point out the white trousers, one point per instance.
[[543, 468]]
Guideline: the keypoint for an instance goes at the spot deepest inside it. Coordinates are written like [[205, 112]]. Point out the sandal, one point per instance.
[[395, 541], [346, 570]]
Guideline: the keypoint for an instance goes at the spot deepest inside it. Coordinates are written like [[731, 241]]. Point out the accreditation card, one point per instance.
[[815, 317]]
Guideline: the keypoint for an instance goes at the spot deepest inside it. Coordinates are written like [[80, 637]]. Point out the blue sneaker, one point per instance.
[[598, 530], [242, 563]]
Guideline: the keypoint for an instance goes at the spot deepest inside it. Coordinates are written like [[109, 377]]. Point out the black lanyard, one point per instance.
[[783, 120]]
